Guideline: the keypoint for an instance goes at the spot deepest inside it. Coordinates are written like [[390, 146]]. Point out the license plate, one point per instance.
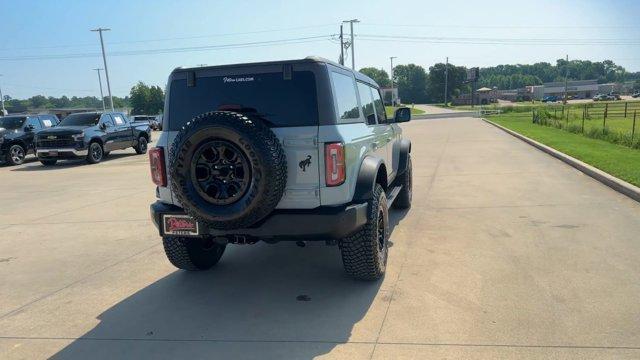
[[53, 153], [183, 225]]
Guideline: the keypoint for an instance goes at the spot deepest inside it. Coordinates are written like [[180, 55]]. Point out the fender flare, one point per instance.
[[366, 180], [405, 149]]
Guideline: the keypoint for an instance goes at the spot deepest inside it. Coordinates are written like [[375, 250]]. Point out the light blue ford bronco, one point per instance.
[[296, 150]]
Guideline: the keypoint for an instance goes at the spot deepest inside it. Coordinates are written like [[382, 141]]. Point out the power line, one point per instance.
[[171, 38], [507, 41], [466, 26], [171, 50], [496, 41]]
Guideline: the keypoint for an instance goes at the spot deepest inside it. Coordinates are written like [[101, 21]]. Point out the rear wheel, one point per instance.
[[141, 147], [16, 155], [48, 162], [96, 153], [192, 254], [364, 254]]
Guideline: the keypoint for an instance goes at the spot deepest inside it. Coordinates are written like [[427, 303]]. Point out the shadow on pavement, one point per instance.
[[262, 301], [35, 165]]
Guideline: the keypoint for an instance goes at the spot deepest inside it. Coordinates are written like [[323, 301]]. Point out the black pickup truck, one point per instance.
[[17, 133], [91, 136]]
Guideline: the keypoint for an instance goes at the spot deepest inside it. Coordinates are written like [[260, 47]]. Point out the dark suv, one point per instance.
[[17, 133]]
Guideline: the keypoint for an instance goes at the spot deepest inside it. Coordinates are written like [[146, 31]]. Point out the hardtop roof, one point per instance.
[[308, 59]]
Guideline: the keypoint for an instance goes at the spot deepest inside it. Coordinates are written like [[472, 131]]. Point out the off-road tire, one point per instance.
[[263, 152], [403, 201], [94, 156], [48, 162], [16, 155], [362, 256], [141, 146], [192, 254]]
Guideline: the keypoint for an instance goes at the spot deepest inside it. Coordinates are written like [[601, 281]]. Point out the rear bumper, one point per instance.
[[62, 153], [315, 224]]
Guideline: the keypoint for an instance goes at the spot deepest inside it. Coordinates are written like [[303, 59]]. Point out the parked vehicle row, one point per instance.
[[607, 97], [155, 122], [89, 135]]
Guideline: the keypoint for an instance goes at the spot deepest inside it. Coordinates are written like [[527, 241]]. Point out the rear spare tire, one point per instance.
[[227, 170]]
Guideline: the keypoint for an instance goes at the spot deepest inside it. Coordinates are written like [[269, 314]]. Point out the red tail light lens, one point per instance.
[[335, 168], [158, 170]]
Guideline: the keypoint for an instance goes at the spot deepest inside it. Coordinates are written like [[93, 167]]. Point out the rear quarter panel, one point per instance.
[[357, 139]]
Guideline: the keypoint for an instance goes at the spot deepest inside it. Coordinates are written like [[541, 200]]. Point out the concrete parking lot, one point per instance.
[[506, 253]]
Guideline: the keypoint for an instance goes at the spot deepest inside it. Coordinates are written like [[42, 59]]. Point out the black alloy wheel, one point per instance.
[[16, 154], [96, 153], [221, 172], [142, 145]]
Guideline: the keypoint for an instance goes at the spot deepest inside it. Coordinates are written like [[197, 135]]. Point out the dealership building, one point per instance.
[[583, 89]]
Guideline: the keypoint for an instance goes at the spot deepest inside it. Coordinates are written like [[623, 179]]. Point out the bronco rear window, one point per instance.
[[281, 102]]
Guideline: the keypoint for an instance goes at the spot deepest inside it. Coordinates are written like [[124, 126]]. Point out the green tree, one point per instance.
[[411, 80], [455, 82], [378, 75], [515, 76], [146, 99], [156, 100], [38, 101]]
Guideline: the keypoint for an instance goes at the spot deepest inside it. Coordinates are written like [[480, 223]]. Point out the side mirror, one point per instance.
[[29, 128], [103, 126], [402, 114]]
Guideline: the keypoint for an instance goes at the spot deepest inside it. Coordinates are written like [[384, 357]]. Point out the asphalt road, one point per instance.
[[506, 253]]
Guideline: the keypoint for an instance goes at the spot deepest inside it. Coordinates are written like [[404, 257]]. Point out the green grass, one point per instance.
[[391, 109], [620, 161]]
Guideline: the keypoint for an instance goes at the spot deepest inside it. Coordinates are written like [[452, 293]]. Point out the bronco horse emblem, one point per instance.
[[304, 163]]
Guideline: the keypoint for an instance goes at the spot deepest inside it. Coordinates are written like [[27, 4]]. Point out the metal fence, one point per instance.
[[617, 122]]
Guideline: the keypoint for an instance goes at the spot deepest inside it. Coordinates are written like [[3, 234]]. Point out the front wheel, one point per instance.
[[192, 254], [364, 254], [141, 146], [16, 155], [96, 153]]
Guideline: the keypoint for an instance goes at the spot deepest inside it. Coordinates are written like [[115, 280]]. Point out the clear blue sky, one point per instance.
[[37, 29]]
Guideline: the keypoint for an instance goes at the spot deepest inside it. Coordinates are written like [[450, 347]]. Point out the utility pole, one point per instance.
[[393, 103], [104, 108], [341, 46], [353, 59], [566, 75], [104, 59], [4, 112], [446, 80]]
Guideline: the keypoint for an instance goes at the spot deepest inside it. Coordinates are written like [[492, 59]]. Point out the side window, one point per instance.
[[345, 92], [367, 103], [118, 119], [47, 121], [33, 121], [106, 119], [380, 111]]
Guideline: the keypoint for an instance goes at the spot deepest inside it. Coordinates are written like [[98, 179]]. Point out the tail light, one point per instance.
[[335, 171], [158, 170]]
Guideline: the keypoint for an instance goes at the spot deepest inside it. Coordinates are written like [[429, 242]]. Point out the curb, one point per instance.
[[613, 182], [445, 115]]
